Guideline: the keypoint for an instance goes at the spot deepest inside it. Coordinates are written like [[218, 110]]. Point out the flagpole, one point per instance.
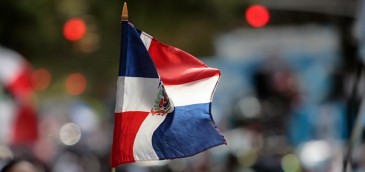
[[123, 17]]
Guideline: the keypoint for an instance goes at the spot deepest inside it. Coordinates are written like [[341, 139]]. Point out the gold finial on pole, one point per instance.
[[124, 15]]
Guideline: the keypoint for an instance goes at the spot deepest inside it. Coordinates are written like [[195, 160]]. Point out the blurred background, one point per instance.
[[291, 87]]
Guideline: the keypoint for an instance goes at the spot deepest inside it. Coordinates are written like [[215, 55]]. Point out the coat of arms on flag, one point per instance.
[[163, 101]]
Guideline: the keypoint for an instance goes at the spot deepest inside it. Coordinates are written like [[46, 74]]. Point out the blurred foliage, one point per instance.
[[34, 29]]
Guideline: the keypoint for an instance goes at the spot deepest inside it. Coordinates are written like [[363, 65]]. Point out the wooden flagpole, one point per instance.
[[123, 17]]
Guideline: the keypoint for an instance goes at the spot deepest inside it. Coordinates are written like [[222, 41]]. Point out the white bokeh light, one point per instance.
[[70, 134], [314, 153]]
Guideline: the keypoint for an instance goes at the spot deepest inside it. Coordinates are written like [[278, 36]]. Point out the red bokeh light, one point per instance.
[[75, 84], [257, 15], [74, 29], [41, 78]]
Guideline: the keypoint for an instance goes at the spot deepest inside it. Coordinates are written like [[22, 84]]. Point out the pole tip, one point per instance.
[[124, 15]]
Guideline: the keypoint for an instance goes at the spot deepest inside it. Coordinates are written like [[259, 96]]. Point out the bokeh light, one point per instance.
[[314, 153], [76, 84], [41, 78], [249, 106], [290, 163], [248, 159], [70, 134], [257, 15], [74, 29]]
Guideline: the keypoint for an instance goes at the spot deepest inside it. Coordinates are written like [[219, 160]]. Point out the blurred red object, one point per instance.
[[15, 75], [257, 15], [24, 126]]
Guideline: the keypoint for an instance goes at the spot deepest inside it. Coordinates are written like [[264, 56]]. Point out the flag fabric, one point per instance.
[[18, 120], [163, 102]]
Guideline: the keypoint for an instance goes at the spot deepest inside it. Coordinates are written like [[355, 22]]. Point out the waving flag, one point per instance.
[[163, 102]]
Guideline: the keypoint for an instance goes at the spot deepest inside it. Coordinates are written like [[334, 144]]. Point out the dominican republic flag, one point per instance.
[[163, 102]]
